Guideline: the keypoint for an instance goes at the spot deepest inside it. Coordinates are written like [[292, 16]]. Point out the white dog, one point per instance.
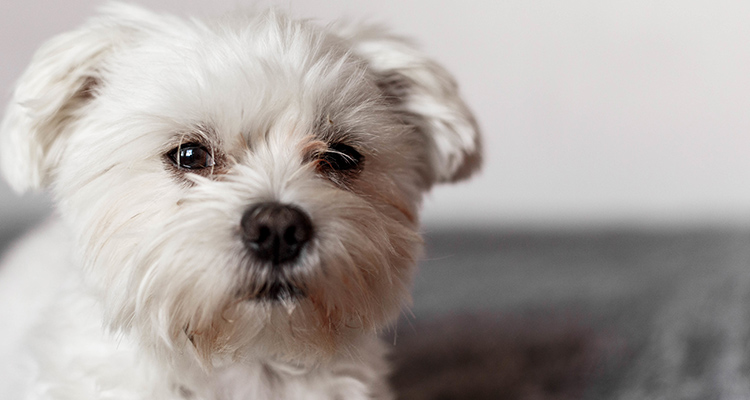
[[238, 207]]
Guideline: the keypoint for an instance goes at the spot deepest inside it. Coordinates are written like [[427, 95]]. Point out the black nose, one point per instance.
[[276, 232]]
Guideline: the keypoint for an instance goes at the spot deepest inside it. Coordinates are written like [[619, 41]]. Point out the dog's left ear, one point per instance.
[[64, 75], [427, 96]]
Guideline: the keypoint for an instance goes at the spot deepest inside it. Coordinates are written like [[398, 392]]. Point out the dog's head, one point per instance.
[[244, 185]]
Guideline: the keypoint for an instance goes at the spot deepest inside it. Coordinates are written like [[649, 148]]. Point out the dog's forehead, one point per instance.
[[241, 78]]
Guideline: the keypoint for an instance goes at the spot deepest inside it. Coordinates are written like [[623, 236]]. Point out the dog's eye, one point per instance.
[[341, 157], [191, 156]]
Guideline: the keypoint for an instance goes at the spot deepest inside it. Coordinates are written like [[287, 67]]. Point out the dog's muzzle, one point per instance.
[[276, 233]]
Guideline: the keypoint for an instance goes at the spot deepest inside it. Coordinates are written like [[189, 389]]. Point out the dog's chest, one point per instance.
[[277, 381]]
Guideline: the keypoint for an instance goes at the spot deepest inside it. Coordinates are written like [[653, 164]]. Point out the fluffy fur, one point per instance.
[[142, 288]]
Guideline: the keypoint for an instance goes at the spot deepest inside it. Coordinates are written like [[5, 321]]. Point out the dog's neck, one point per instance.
[[347, 377]]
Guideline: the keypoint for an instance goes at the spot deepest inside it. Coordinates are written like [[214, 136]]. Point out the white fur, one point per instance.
[[142, 287]]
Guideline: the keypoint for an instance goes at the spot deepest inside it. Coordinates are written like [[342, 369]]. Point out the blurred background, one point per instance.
[[615, 187], [594, 113]]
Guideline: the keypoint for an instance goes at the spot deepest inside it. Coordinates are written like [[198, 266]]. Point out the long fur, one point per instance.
[[157, 297]]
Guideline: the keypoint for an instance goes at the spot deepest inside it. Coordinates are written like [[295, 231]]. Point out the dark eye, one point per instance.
[[341, 157], [191, 156]]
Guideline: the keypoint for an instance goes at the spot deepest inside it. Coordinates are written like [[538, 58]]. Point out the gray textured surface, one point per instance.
[[476, 270], [593, 315]]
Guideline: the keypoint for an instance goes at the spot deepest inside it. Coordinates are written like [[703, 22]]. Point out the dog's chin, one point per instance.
[[279, 292]]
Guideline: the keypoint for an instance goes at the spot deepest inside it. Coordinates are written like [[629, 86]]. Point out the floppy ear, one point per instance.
[[63, 77], [427, 95]]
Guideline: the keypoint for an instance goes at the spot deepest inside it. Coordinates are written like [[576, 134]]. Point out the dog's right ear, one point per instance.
[[427, 97], [50, 96]]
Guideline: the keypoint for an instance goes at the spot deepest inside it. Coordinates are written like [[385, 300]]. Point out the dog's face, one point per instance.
[[245, 186]]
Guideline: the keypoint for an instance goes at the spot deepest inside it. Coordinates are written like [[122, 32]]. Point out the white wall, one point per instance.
[[593, 112]]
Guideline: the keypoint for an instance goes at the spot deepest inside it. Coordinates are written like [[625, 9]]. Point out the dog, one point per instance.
[[237, 206]]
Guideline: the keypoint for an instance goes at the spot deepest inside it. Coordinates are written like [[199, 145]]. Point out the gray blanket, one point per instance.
[[588, 315]]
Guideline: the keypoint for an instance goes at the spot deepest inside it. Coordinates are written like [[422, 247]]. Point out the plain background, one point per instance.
[[594, 113]]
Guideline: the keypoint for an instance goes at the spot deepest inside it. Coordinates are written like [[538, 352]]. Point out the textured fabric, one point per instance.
[[611, 314]]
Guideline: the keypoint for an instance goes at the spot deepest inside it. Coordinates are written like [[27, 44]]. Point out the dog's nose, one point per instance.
[[276, 232]]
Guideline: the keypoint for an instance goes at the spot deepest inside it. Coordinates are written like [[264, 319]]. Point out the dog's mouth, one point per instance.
[[278, 291]]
